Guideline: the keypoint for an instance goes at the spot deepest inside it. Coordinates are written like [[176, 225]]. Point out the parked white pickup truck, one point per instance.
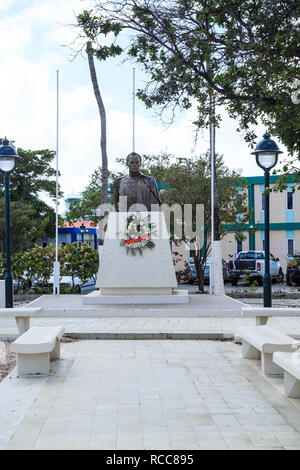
[[251, 265]]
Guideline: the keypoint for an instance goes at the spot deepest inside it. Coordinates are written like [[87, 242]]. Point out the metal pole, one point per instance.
[[133, 113], [56, 264], [8, 275], [267, 277], [212, 155]]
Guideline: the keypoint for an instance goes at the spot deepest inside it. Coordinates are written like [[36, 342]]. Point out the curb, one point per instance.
[[152, 336]]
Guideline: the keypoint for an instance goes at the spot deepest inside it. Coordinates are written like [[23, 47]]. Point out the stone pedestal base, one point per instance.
[[147, 277], [176, 297]]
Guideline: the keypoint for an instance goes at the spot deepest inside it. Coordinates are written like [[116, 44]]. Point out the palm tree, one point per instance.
[[102, 113]]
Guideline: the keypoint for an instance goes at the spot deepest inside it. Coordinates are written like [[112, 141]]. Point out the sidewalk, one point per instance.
[[122, 394], [141, 328], [200, 305], [149, 395]]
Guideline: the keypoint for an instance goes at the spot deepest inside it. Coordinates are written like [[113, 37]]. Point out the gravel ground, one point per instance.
[[291, 303], [7, 360]]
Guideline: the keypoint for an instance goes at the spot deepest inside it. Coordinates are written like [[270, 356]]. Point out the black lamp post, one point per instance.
[[82, 230], [8, 157], [266, 153]]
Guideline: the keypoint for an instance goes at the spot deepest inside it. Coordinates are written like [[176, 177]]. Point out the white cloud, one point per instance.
[[15, 36], [5, 4]]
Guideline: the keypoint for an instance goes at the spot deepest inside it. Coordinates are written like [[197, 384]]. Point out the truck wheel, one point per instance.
[[234, 282], [280, 276]]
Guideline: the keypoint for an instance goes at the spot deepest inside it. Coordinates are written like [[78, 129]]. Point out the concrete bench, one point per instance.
[[261, 342], [22, 316], [36, 348], [262, 314], [290, 363]]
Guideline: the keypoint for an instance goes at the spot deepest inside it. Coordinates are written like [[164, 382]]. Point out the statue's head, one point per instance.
[[134, 161]]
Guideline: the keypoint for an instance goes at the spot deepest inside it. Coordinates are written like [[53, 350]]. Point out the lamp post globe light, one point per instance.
[[266, 153], [82, 230], [8, 156]]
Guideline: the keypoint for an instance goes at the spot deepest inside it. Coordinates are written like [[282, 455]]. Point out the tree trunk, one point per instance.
[[199, 266], [102, 113]]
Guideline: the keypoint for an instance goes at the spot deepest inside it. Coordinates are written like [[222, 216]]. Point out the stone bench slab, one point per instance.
[[38, 339], [290, 364], [35, 349], [263, 341], [262, 314], [22, 316]]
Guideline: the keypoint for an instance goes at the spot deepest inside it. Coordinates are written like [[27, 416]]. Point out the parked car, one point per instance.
[[251, 265], [66, 282], [18, 285], [293, 270], [192, 275]]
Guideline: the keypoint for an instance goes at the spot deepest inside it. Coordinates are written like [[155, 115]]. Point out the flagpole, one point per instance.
[[133, 113], [56, 263], [212, 156]]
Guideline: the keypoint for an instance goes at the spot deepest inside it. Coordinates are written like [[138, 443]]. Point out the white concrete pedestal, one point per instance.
[[141, 279]]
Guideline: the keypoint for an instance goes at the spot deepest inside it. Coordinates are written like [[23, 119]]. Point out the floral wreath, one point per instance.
[[137, 234]]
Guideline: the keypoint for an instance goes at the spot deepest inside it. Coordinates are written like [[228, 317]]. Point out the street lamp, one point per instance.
[[8, 157], [82, 230], [266, 153]]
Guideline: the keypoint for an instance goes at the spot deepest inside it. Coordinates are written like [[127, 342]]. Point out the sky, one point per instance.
[[35, 41]]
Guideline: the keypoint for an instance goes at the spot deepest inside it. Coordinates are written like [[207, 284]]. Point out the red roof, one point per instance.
[[86, 223]]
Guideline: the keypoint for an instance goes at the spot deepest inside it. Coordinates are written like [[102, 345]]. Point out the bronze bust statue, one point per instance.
[[135, 192]]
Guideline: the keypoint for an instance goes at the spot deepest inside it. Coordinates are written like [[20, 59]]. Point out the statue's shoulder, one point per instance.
[[149, 179], [117, 181]]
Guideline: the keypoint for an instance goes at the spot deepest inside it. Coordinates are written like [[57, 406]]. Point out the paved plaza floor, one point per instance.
[[120, 391], [200, 305], [149, 395], [144, 327]]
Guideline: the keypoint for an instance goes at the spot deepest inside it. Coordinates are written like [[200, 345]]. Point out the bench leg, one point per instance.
[[33, 364], [249, 352], [237, 339], [23, 324], [55, 354], [291, 386], [268, 367], [261, 321]]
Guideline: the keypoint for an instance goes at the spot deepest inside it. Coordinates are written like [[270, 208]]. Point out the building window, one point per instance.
[[289, 200], [88, 239], [290, 246], [263, 245], [239, 246]]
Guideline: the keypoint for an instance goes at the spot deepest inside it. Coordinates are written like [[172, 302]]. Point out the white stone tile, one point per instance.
[[141, 393], [266, 439]]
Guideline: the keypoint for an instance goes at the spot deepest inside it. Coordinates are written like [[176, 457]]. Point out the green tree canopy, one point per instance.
[[246, 53], [189, 182], [31, 182]]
